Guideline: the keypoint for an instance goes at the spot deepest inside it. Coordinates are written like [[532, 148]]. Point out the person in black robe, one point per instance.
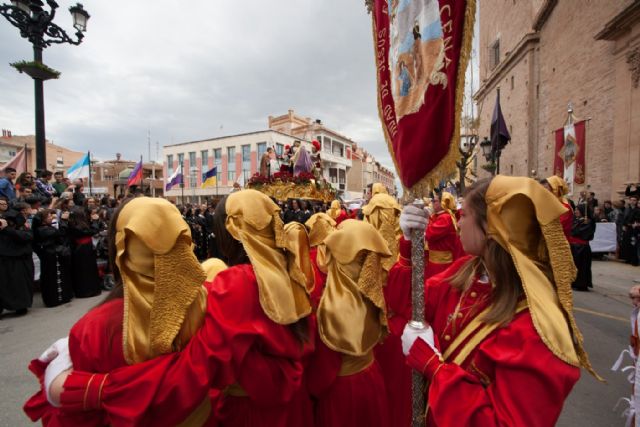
[[16, 262], [582, 231], [52, 247], [86, 280], [630, 223]]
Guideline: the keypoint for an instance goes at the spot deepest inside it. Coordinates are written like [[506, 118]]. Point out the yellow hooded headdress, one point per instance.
[[320, 225], [352, 313], [164, 300], [559, 187], [523, 218], [334, 210], [383, 212], [277, 255]]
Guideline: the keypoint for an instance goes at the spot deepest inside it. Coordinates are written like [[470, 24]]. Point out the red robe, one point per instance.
[[342, 400], [510, 379], [444, 243], [237, 343], [566, 219]]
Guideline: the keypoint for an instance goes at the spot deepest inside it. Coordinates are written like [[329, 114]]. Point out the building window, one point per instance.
[[59, 161], [333, 175], [494, 54], [217, 161], [326, 144], [193, 170], [231, 164], [279, 149], [337, 149], [342, 176], [262, 148], [512, 85], [204, 155], [246, 160], [181, 159], [170, 164]]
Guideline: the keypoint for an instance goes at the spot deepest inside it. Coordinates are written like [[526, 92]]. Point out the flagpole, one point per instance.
[[26, 164], [141, 175], [182, 180], [90, 188]]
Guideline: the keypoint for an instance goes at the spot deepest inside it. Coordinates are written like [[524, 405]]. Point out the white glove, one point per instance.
[[59, 361], [411, 334], [413, 218]]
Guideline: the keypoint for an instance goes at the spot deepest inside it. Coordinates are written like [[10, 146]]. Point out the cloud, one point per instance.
[[183, 70]]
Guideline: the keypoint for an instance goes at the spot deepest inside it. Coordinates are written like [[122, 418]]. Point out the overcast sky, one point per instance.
[[195, 70]]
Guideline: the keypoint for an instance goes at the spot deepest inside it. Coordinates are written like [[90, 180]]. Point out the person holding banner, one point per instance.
[[442, 235], [502, 346]]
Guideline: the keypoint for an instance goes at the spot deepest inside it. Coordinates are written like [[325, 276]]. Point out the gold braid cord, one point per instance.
[[564, 273], [370, 286]]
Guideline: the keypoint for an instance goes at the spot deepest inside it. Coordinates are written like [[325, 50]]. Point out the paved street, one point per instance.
[[602, 316]]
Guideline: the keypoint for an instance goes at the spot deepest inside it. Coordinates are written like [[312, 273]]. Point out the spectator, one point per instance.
[[16, 262], [582, 232], [25, 179], [306, 212], [86, 281], [59, 185], [78, 195], [608, 209], [632, 193], [23, 194], [7, 188], [598, 215], [51, 246], [44, 188], [4, 205], [630, 223]]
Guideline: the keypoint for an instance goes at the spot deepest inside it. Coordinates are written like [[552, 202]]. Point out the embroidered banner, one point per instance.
[[569, 156], [421, 49]]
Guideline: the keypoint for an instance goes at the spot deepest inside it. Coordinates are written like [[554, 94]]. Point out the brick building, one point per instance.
[[58, 158], [544, 54], [111, 176]]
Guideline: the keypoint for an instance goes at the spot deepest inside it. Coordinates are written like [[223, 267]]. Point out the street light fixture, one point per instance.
[[486, 149], [466, 152], [35, 24]]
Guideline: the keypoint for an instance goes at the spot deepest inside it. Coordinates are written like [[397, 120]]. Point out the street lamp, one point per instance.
[[35, 24], [492, 156]]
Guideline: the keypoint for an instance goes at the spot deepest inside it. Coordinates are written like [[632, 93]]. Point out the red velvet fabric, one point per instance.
[[237, 343], [510, 379], [566, 219], [320, 279], [441, 235], [345, 401]]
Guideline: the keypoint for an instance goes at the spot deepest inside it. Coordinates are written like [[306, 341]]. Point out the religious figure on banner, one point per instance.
[[416, 56], [569, 150]]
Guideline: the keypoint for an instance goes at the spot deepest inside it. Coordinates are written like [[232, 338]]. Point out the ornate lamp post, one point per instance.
[[35, 24], [491, 155], [466, 153]]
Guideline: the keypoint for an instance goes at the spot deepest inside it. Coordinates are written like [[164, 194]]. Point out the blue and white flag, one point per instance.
[[175, 178], [80, 169]]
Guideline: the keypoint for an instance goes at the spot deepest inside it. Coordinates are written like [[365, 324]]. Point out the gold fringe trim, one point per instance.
[[370, 284], [447, 165], [564, 273]]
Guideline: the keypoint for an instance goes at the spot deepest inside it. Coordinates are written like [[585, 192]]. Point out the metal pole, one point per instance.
[[90, 188], [41, 151], [182, 181], [417, 314]]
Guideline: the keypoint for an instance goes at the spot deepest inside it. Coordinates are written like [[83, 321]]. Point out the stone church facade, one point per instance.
[[542, 55]]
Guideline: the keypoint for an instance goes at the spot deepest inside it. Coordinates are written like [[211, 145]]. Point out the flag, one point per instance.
[[80, 169], [240, 180], [210, 178], [499, 132], [18, 162], [569, 156], [175, 178], [135, 177], [422, 48]]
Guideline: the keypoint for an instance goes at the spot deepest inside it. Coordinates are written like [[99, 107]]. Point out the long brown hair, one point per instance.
[[118, 290], [507, 286]]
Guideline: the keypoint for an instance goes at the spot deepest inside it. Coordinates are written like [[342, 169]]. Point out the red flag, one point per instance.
[[569, 153], [580, 129], [422, 48], [18, 162], [558, 163]]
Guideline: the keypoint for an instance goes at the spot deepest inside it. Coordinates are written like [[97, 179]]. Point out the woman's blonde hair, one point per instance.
[[506, 283]]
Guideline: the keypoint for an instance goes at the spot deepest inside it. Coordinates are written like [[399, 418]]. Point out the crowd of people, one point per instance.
[[331, 300]]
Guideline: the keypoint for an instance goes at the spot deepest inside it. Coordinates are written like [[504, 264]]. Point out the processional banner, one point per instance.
[[569, 153], [422, 49]]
